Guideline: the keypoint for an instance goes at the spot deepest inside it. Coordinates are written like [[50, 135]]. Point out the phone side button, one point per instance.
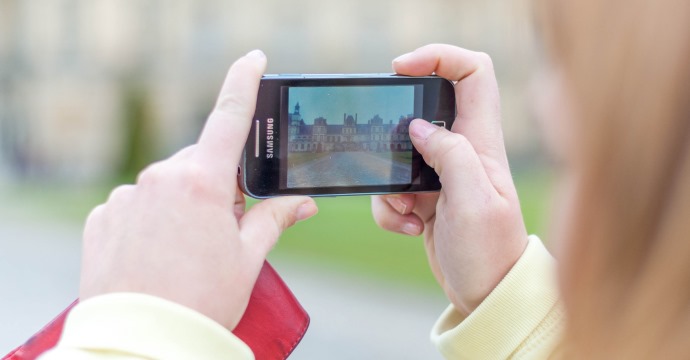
[[256, 140], [439, 123]]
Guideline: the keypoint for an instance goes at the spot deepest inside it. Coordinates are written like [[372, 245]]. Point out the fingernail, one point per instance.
[[256, 54], [306, 210], [397, 204], [422, 129], [401, 58], [411, 229]]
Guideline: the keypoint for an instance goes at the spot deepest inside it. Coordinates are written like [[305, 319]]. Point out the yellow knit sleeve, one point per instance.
[[520, 319], [137, 326]]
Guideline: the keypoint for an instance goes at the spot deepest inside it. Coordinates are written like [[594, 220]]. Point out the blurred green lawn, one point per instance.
[[343, 236]]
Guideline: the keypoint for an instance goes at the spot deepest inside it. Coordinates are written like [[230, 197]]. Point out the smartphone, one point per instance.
[[332, 135]]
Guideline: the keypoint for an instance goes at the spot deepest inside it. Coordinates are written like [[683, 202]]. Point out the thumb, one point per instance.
[[261, 226], [454, 159]]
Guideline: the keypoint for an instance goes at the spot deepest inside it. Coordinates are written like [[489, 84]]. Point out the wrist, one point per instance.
[[475, 292]]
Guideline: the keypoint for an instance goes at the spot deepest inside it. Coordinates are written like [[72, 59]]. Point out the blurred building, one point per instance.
[[68, 67]]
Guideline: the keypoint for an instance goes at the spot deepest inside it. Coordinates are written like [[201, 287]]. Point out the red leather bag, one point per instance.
[[272, 326]]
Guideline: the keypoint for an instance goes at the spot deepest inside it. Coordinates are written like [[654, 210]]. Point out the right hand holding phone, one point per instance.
[[181, 232], [473, 229]]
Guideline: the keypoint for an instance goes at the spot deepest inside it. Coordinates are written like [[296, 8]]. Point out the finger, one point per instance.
[[184, 153], [225, 133], [151, 174], [93, 220], [425, 205], [421, 204], [261, 226], [455, 161], [240, 204], [402, 203], [388, 218], [447, 61], [121, 193], [476, 92]]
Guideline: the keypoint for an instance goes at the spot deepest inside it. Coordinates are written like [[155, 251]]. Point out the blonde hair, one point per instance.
[[626, 274]]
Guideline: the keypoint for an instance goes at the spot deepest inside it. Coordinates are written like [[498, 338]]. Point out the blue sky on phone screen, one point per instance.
[[331, 102]]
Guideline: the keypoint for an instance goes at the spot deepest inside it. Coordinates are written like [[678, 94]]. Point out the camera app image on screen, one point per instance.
[[350, 135]]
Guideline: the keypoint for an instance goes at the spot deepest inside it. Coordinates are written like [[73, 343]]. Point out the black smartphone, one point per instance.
[[331, 135]]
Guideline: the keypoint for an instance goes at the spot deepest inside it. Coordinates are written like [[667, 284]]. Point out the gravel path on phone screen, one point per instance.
[[353, 316], [348, 169]]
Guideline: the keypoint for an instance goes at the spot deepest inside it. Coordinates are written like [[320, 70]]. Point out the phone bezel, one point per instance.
[[260, 176]]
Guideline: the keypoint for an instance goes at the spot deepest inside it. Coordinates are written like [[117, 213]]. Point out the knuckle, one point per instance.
[[190, 172], [120, 193], [191, 175], [447, 146], [196, 180], [379, 209], [188, 177], [185, 152], [485, 60], [94, 217], [278, 219], [380, 219], [387, 220], [232, 104], [95, 213], [283, 220], [385, 223], [93, 226], [151, 175]]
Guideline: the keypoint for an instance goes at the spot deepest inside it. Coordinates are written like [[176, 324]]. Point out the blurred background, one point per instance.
[[93, 90]]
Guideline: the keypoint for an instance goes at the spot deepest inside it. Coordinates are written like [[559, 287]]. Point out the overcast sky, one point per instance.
[[389, 102]]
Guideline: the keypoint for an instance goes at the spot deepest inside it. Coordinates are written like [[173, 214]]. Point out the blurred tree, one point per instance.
[[139, 138]]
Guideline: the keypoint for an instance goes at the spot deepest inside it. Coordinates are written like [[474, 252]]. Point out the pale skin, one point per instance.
[[181, 232], [473, 229]]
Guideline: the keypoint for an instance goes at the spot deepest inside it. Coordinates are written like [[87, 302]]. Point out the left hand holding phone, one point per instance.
[[473, 228], [181, 232]]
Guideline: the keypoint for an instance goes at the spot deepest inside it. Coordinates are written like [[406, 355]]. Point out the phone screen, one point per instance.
[[349, 135]]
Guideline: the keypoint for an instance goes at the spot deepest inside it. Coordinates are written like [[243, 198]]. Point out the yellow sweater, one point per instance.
[[520, 319], [135, 326]]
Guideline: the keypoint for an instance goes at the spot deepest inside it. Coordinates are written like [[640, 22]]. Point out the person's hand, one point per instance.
[[473, 228], [181, 232]]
